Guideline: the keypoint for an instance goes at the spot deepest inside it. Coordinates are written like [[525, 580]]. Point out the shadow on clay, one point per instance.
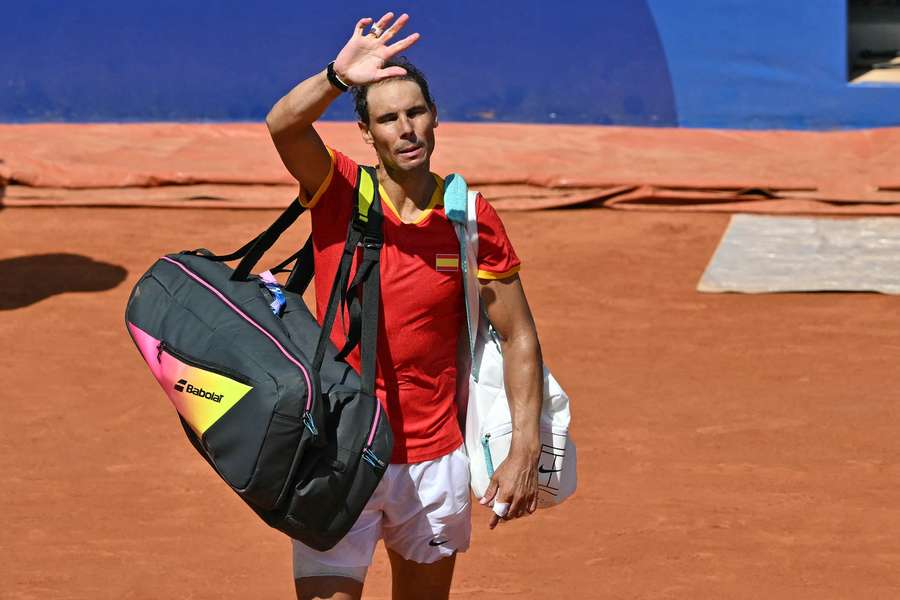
[[25, 280]]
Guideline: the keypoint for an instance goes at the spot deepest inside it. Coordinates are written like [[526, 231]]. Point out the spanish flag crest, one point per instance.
[[446, 262]]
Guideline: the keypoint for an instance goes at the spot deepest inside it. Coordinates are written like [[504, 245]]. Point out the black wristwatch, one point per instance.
[[335, 80]]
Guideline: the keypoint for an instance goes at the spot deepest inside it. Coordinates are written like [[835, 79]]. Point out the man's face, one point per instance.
[[401, 124]]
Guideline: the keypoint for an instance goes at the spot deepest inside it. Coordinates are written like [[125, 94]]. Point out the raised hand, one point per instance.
[[361, 60]]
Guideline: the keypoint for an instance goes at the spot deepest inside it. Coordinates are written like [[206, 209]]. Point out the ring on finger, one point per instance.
[[376, 31]]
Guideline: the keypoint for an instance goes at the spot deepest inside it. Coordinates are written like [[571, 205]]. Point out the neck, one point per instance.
[[409, 190]]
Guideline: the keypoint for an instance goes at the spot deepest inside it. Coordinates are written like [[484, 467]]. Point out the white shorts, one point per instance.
[[421, 510]]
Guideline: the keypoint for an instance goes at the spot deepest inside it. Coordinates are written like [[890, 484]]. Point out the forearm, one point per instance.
[[302, 106], [523, 373], [515, 480]]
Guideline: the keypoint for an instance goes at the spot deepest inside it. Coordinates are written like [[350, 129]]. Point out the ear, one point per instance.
[[366, 134], [434, 113]]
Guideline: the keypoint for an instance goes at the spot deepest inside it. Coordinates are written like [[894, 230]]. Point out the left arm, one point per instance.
[[515, 480]]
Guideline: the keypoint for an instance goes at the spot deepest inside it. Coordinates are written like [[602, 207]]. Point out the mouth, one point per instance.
[[410, 151]]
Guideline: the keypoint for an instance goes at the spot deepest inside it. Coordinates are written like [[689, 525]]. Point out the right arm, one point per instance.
[[290, 121]]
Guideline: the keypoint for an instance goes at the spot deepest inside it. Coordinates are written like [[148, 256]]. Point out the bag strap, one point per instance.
[[303, 270], [460, 207], [266, 239], [365, 232], [252, 251]]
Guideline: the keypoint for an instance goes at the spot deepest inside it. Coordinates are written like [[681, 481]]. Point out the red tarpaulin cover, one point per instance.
[[518, 167]]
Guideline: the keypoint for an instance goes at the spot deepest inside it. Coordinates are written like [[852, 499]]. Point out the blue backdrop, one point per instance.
[[695, 63]]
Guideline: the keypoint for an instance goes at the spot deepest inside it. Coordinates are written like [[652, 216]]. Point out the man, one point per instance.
[[421, 508]]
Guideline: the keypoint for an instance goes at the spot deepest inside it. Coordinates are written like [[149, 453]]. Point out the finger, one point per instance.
[[493, 522], [385, 20], [361, 26], [402, 44], [390, 72], [382, 24], [526, 511], [533, 506], [516, 508], [391, 31]]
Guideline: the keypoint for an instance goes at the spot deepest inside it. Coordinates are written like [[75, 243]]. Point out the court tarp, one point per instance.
[[762, 254], [516, 166]]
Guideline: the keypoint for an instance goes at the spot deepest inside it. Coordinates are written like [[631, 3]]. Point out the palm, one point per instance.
[[361, 60]]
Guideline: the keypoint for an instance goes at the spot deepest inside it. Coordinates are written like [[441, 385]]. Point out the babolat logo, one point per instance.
[[183, 386]]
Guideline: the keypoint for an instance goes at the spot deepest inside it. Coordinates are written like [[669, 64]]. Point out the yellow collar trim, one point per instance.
[[437, 199]]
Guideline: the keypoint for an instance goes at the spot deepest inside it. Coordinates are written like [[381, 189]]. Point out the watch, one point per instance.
[[335, 80]]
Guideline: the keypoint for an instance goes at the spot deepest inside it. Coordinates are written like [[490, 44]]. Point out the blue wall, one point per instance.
[[695, 63], [230, 60], [766, 64]]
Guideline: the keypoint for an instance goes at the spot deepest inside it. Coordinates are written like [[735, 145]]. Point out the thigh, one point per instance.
[[330, 588], [428, 517], [351, 556], [412, 580], [338, 570]]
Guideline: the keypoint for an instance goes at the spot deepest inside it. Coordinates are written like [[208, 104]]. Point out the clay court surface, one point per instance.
[[730, 446]]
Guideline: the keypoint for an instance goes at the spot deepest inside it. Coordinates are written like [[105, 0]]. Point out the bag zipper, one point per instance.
[[307, 418], [503, 429], [367, 454], [373, 460], [209, 366], [488, 459]]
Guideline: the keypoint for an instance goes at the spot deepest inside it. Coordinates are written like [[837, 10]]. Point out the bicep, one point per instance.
[[507, 308]]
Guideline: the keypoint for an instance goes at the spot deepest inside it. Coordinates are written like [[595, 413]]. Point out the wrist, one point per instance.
[[528, 447], [335, 79]]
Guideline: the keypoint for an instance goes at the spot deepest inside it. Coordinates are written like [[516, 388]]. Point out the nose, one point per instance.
[[406, 126]]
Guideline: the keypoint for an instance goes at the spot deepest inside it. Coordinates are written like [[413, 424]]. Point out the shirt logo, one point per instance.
[[446, 262]]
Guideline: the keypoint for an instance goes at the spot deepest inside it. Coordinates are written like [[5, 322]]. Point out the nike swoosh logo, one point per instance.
[[541, 469], [437, 542]]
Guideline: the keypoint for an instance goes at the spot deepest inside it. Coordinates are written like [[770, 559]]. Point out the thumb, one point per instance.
[[490, 492]]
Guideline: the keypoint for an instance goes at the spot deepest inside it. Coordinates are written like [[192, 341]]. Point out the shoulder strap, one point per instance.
[[369, 276], [304, 261], [460, 207], [473, 294], [364, 231]]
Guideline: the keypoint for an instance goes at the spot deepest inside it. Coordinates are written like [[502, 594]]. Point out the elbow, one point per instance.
[[278, 120], [525, 345], [272, 121]]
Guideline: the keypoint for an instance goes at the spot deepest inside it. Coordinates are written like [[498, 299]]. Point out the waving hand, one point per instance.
[[361, 60]]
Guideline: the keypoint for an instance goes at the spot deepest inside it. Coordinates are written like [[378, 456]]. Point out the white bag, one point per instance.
[[488, 428]]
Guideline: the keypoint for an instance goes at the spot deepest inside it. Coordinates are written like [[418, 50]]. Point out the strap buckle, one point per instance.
[[370, 242]]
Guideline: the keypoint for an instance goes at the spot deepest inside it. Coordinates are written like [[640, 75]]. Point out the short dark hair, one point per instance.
[[413, 73]]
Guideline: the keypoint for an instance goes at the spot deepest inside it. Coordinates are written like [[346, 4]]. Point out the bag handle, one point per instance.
[[303, 270], [252, 251], [266, 239]]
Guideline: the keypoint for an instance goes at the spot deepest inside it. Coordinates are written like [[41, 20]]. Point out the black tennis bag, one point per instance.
[[261, 392]]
